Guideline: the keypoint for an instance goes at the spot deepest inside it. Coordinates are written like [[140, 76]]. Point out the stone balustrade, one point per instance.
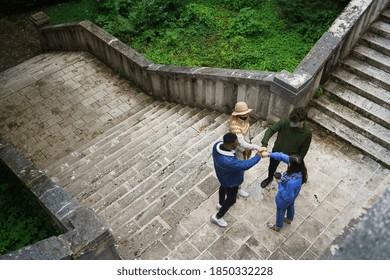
[[84, 236]]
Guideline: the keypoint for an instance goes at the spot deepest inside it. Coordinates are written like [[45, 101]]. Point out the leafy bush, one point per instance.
[[22, 220], [73, 11], [310, 18], [264, 35]]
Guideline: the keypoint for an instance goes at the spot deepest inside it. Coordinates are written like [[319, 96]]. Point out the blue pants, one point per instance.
[[281, 213]]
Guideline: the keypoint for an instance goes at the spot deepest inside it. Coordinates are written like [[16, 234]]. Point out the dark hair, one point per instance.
[[297, 164], [299, 114], [229, 138]]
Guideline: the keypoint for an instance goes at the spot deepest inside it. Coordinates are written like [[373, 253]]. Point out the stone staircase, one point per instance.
[[143, 175], [356, 100]]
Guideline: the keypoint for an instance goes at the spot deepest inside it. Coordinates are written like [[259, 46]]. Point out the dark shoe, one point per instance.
[[273, 227], [265, 182], [287, 221]]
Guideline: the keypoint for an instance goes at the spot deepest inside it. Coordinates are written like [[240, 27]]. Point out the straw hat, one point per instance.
[[240, 109]]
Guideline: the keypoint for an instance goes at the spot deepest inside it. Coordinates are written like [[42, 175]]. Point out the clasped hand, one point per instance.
[[263, 152]]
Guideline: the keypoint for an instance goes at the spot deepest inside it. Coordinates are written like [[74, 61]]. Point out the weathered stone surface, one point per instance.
[[94, 144]]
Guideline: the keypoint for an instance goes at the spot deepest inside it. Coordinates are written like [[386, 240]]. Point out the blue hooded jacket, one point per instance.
[[290, 184], [229, 169]]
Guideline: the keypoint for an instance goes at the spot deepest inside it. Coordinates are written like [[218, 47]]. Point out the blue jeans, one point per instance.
[[281, 212]]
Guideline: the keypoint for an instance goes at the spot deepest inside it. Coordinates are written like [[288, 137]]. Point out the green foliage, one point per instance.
[[310, 18], [73, 11], [16, 6], [333, 98], [319, 92], [264, 35], [237, 5], [248, 23], [22, 220]]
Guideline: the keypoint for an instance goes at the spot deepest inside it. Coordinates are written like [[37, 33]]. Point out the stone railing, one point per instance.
[[84, 235], [271, 95]]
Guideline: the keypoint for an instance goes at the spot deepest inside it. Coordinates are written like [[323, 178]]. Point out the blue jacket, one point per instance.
[[229, 169], [290, 184]]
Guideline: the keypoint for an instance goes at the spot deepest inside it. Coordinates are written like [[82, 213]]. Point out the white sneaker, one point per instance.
[[219, 206], [242, 193], [221, 222]]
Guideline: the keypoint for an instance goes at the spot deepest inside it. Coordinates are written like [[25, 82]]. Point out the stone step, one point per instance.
[[362, 86], [128, 158], [351, 136], [381, 28], [153, 160], [171, 181], [376, 42], [144, 162], [11, 77], [378, 76], [199, 152], [63, 166], [170, 188], [85, 146], [130, 225], [385, 16], [373, 57], [354, 120], [359, 103], [115, 149]]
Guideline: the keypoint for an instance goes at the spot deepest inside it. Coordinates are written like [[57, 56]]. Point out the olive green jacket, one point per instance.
[[290, 140]]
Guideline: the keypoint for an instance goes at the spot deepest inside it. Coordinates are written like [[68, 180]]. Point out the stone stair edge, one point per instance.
[[135, 154], [358, 67], [355, 101], [206, 148], [372, 56], [374, 152], [358, 122], [118, 152], [173, 139], [105, 139], [376, 42], [361, 86], [381, 27], [102, 137]]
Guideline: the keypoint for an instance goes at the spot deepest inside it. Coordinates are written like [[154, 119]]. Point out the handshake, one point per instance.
[[263, 152]]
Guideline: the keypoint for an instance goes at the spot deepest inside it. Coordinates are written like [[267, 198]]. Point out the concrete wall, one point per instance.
[[271, 95], [84, 235]]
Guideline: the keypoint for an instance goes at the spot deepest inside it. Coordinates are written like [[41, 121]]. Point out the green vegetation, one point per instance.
[[22, 220], [73, 11], [265, 35], [320, 91]]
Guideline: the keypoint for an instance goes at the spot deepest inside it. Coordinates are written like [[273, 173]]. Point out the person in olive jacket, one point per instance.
[[294, 137]]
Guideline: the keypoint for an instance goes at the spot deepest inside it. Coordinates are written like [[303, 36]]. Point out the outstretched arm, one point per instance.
[[242, 165]]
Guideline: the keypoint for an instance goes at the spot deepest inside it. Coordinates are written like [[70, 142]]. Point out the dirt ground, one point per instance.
[[18, 40]]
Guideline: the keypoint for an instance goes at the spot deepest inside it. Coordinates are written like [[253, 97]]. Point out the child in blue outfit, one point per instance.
[[289, 186]]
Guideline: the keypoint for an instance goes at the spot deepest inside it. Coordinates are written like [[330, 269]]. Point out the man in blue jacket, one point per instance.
[[230, 173]]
